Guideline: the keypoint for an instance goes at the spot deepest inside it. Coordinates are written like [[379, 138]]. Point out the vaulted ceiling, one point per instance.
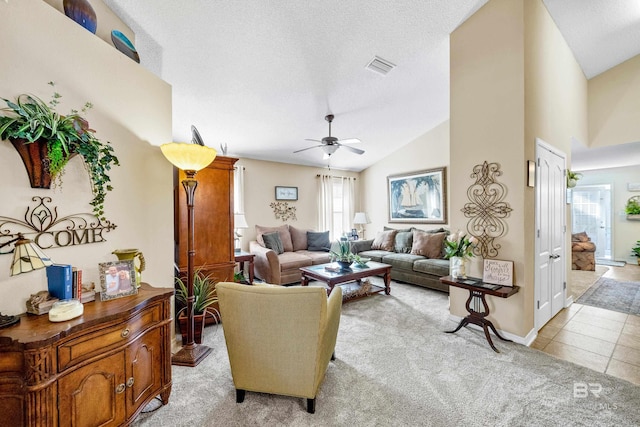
[[260, 76]]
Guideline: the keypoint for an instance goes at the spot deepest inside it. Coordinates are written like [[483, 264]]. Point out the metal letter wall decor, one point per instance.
[[487, 209], [42, 225]]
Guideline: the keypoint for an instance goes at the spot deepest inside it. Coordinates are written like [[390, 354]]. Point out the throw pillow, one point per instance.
[[298, 238], [427, 244], [273, 242], [384, 240], [385, 228], [403, 242], [318, 241], [283, 231]]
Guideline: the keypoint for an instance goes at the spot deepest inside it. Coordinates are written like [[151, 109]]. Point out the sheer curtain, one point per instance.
[[238, 189], [336, 204]]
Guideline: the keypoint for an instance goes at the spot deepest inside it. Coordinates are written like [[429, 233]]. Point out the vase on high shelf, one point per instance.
[[458, 267]]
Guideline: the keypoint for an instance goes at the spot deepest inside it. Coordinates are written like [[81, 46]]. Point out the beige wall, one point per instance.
[[613, 105], [428, 151], [132, 109], [625, 233], [512, 79], [261, 178]]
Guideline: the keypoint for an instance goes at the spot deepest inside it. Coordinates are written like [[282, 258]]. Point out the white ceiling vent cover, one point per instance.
[[380, 66]]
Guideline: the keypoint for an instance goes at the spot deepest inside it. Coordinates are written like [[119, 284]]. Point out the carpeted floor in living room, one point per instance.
[[603, 340], [395, 366]]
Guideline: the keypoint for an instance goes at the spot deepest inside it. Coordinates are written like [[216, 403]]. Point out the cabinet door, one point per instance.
[[143, 369], [94, 394]]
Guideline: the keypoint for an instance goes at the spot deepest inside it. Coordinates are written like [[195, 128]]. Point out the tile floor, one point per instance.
[[602, 340]]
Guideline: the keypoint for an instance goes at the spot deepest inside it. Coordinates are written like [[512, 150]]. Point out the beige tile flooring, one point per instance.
[[602, 340]]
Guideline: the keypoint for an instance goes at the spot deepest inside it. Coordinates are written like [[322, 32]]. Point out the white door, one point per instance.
[[591, 213], [550, 233]]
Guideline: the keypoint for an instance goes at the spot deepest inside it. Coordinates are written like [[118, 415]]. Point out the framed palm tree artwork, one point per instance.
[[418, 197]]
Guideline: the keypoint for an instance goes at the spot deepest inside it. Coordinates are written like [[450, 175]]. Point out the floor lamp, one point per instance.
[[190, 158]]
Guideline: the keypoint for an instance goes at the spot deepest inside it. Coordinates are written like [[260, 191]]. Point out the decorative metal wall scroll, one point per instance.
[[487, 209], [42, 225], [283, 211]]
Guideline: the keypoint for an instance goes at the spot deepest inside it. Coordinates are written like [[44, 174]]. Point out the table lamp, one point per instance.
[[360, 219], [190, 157], [27, 256], [239, 221]]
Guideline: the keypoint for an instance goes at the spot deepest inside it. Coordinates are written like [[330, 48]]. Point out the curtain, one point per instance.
[[325, 202], [238, 189]]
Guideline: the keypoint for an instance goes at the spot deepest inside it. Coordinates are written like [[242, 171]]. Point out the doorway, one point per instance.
[[550, 262], [591, 213]]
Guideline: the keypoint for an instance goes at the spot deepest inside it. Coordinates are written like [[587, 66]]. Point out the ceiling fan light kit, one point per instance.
[[330, 144]]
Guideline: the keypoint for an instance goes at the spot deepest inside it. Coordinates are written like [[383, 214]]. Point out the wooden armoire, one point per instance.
[[213, 222]]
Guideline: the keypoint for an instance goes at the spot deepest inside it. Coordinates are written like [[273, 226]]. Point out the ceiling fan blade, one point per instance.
[[355, 150], [314, 140], [349, 141], [308, 148]]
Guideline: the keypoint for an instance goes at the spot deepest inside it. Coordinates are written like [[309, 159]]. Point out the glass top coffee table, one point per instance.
[[332, 275]]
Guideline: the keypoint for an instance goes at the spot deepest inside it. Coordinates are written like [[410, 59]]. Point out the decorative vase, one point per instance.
[[81, 12], [35, 156], [458, 267], [344, 265], [127, 254]]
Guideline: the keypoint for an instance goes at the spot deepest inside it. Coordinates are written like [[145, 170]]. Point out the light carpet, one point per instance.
[[396, 367], [616, 295]]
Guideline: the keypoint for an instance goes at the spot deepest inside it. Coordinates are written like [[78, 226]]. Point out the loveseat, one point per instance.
[[416, 256], [281, 251]]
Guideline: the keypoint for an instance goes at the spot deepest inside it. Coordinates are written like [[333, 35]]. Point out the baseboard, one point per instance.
[[568, 301], [526, 340]]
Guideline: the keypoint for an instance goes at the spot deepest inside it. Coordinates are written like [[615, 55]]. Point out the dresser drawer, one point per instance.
[[96, 342]]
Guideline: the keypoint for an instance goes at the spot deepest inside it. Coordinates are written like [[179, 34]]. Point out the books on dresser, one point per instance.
[[60, 281]]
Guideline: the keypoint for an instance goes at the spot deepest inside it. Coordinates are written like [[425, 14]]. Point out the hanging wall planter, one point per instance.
[[46, 140]]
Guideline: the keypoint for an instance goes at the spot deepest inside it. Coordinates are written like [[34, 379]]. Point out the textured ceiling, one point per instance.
[[259, 76]]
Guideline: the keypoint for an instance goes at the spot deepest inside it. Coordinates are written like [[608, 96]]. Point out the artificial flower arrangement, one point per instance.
[[460, 245]]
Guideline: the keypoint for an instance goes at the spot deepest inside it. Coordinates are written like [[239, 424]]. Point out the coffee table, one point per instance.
[[354, 274]]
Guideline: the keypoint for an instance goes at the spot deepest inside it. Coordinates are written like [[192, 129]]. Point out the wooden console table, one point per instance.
[[480, 310], [100, 368]]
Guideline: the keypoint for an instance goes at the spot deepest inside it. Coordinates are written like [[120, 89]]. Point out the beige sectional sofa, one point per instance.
[[416, 256], [284, 268]]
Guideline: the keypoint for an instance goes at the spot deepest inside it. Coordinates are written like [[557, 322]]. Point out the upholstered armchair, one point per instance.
[[279, 339]]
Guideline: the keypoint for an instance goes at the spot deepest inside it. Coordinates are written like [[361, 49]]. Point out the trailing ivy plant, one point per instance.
[[32, 119]]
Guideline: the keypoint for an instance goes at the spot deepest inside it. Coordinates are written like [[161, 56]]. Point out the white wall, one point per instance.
[[132, 110]]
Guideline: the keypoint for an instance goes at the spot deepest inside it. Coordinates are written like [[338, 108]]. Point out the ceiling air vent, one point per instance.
[[380, 66]]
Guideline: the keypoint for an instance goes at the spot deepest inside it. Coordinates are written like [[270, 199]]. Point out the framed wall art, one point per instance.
[[117, 279], [418, 197], [286, 193]]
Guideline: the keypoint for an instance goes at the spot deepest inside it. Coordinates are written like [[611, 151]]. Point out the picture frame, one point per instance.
[[418, 197], [286, 193], [117, 279], [498, 272]]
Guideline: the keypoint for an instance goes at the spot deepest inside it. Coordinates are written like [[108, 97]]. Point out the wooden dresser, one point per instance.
[[100, 368]]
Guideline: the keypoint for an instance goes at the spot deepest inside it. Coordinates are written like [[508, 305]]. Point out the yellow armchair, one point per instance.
[[279, 339]]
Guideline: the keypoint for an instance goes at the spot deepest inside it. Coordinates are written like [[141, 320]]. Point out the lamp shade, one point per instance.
[[361, 218], [187, 156], [240, 221], [28, 256]]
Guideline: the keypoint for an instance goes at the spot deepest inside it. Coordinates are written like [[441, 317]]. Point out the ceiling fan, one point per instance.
[[330, 144]]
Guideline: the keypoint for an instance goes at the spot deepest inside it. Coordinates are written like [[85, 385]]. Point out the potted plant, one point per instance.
[[632, 208], [343, 255], [458, 249], [46, 140], [206, 300], [239, 277], [635, 251], [572, 178]]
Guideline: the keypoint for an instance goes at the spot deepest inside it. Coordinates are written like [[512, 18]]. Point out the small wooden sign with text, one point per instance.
[[498, 272]]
